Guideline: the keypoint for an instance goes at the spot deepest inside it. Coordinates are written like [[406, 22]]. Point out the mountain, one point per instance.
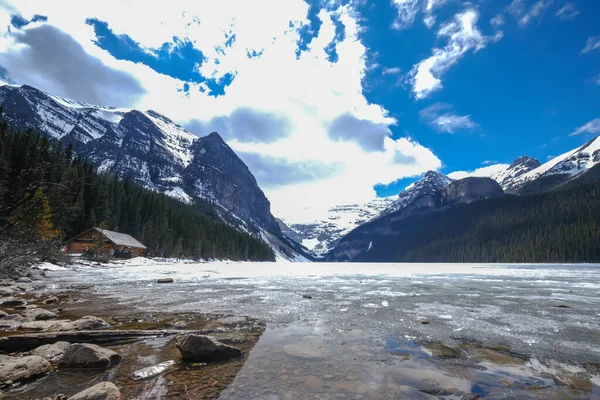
[[557, 226], [559, 170], [321, 236], [508, 178], [433, 193], [151, 150]]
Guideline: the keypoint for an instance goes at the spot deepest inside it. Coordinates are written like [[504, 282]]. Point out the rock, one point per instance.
[[150, 372], [470, 189], [36, 274], [425, 322], [23, 369], [101, 391], [90, 323], [205, 348], [3, 314], [51, 352], [11, 321], [306, 296], [40, 326], [495, 354], [84, 355], [439, 350], [24, 287], [575, 381], [306, 351], [165, 280], [12, 301], [39, 314], [51, 300], [6, 282], [470, 396], [8, 291], [24, 279], [561, 306]]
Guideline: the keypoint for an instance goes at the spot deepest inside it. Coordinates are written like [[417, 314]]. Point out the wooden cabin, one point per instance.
[[123, 245]]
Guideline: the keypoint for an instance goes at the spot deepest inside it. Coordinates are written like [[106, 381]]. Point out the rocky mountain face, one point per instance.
[[150, 149], [560, 170], [433, 193], [321, 236], [508, 178]]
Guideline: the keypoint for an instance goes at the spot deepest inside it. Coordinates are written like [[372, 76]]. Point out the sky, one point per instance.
[[329, 102]]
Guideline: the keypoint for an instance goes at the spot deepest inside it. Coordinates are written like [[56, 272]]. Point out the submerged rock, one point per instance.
[[101, 391], [439, 350], [306, 351], [22, 369], [205, 348], [89, 356], [165, 280], [150, 372], [51, 352]]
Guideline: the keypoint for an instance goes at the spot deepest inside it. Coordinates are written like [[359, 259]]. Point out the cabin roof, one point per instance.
[[121, 239], [118, 238]]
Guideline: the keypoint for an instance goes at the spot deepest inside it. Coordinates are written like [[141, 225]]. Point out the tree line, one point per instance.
[[556, 226], [47, 195]]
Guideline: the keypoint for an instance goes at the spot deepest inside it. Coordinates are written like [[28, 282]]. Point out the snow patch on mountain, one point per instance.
[[321, 236], [571, 164]]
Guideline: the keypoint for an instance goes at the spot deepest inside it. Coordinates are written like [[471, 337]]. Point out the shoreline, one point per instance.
[[181, 380], [292, 366]]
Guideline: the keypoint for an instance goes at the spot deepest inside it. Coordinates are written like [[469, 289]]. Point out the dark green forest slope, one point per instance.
[[555, 226], [46, 195]]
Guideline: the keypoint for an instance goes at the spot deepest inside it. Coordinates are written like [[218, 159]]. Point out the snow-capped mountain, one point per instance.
[[433, 193], [560, 169], [508, 178], [321, 236], [431, 182], [150, 149]]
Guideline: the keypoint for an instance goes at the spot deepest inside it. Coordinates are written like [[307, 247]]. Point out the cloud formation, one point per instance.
[[444, 119], [463, 36], [53, 61], [484, 172], [592, 127], [526, 15], [567, 12], [273, 172], [592, 44], [407, 12], [245, 125], [370, 136]]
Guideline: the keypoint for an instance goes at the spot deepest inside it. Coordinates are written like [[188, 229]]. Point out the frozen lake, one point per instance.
[[375, 327]]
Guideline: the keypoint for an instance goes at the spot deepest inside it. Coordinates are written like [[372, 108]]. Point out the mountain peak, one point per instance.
[[530, 162]]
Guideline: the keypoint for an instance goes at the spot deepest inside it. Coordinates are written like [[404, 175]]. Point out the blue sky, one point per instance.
[[328, 100]]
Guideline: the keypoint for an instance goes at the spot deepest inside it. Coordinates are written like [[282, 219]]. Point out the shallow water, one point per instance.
[[375, 330]]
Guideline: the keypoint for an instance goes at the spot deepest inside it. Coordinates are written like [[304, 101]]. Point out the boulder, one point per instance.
[[3, 314], [24, 279], [11, 321], [12, 301], [40, 326], [51, 300], [39, 314], [205, 348], [8, 291], [84, 355], [89, 323], [24, 287], [51, 352], [101, 391], [22, 369]]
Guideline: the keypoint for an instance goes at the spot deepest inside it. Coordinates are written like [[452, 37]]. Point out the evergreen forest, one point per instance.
[[48, 195]]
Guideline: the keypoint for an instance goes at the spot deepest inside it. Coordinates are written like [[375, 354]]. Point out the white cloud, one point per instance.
[[592, 127], [463, 35], [525, 15], [391, 71], [443, 118], [484, 172], [309, 93], [407, 12], [592, 44], [497, 21], [567, 12]]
